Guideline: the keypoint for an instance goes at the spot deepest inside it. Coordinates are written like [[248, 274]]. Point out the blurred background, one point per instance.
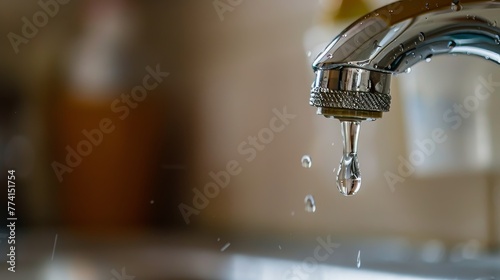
[[166, 137]]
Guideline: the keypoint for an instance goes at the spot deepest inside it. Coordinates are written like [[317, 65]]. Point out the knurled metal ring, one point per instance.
[[352, 100]]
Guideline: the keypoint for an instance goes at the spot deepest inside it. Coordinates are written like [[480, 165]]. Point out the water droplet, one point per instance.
[[306, 161], [494, 23], [451, 44], [428, 58], [401, 48], [379, 87], [348, 175], [344, 35], [408, 70], [375, 66], [455, 5], [329, 56], [309, 54], [225, 247], [375, 44], [358, 263], [391, 11], [427, 6], [497, 40], [218, 239], [406, 61], [421, 37], [279, 246], [310, 204]]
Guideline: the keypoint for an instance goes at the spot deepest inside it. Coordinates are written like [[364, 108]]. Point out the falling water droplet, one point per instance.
[[451, 44], [225, 247], [309, 54], [359, 259], [348, 175], [306, 161], [421, 36], [310, 204]]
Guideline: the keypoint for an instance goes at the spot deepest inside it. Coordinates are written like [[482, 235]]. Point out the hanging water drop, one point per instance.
[[451, 44], [306, 161], [358, 262], [428, 58], [348, 175], [310, 204]]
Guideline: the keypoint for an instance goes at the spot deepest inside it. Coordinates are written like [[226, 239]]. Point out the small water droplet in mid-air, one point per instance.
[[348, 175], [359, 259], [310, 204], [306, 161], [225, 247]]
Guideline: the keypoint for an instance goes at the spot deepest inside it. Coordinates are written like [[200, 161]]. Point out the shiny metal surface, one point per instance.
[[391, 39]]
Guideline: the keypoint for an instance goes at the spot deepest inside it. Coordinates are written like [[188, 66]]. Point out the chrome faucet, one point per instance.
[[353, 73]]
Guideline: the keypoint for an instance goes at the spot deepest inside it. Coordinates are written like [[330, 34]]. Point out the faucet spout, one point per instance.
[[353, 73]]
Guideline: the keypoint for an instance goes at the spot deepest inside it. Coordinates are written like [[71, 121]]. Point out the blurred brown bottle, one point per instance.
[[107, 125]]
